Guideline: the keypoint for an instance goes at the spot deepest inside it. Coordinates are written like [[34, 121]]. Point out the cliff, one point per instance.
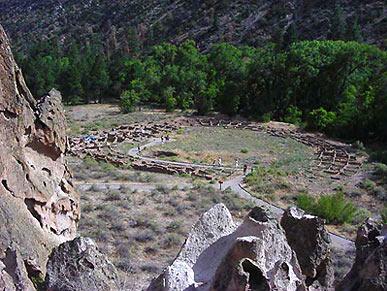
[[39, 208]]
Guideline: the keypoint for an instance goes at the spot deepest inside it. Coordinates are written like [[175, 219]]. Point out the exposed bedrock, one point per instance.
[[79, 265], [220, 255], [39, 208], [307, 236], [369, 271]]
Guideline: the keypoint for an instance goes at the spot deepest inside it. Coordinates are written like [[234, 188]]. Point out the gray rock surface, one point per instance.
[[78, 265], [369, 271], [39, 208], [218, 255], [307, 236]]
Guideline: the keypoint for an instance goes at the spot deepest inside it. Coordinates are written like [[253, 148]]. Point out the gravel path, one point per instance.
[[235, 184]]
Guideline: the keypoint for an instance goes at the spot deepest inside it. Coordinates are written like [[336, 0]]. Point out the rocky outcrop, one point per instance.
[[218, 255], [39, 208], [369, 272], [79, 265], [310, 240]]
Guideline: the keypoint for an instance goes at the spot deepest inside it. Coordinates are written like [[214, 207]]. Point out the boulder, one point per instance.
[[79, 265], [260, 258], [39, 208], [307, 236], [219, 255], [369, 271]]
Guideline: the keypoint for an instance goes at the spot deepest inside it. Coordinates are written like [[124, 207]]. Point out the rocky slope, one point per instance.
[[236, 21], [262, 254], [39, 208], [255, 255]]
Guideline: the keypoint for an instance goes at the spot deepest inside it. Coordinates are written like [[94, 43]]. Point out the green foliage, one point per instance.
[[333, 207], [335, 86], [38, 282], [383, 214], [129, 101], [293, 115], [320, 119], [244, 150]]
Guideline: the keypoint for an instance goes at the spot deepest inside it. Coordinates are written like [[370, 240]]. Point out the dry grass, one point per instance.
[[142, 231]]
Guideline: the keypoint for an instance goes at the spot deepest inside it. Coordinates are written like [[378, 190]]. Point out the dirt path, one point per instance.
[[235, 184]]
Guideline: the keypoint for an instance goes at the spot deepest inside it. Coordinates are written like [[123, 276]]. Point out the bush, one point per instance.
[[381, 170], [90, 163], [333, 207], [383, 214], [244, 150], [266, 117], [320, 119], [293, 115], [358, 145], [129, 101]]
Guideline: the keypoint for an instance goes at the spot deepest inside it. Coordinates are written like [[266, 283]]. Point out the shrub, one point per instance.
[[358, 145], [171, 240], [144, 236], [107, 167], [90, 163], [244, 150], [381, 170], [293, 115], [333, 207], [383, 214], [320, 119], [266, 117], [367, 184], [129, 100]]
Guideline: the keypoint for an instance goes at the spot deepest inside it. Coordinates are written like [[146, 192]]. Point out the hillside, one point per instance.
[[207, 22]]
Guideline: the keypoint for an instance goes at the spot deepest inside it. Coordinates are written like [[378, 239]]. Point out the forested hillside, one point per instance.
[[207, 22], [297, 61]]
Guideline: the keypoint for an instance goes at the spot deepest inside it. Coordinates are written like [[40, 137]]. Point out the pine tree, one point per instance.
[[290, 36], [278, 38], [354, 32], [338, 25], [134, 42]]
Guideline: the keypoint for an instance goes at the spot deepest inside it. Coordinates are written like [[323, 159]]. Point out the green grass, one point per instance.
[[206, 144]]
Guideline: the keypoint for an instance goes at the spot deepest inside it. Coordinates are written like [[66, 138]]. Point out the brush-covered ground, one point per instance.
[[141, 219], [280, 169]]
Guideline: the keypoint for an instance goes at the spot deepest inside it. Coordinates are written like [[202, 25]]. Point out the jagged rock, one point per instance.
[[218, 255], [39, 208], [79, 265], [369, 272], [307, 236], [200, 252]]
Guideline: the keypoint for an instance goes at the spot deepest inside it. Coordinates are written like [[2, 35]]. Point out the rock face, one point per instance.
[[218, 255], [369, 272], [310, 240], [78, 265], [39, 208]]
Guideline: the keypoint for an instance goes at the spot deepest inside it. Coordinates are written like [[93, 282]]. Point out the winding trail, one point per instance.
[[235, 184]]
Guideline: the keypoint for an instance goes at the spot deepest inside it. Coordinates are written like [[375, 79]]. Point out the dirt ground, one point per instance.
[[141, 219]]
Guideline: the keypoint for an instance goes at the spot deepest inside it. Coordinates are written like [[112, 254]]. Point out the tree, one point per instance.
[[291, 35], [99, 79], [129, 100], [338, 25]]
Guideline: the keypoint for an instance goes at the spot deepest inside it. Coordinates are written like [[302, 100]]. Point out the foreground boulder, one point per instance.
[[79, 265], [307, 236], [39, 208], [369, 272], [218, 255]]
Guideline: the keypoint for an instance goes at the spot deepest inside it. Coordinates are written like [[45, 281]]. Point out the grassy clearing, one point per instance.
[[204, 145]]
